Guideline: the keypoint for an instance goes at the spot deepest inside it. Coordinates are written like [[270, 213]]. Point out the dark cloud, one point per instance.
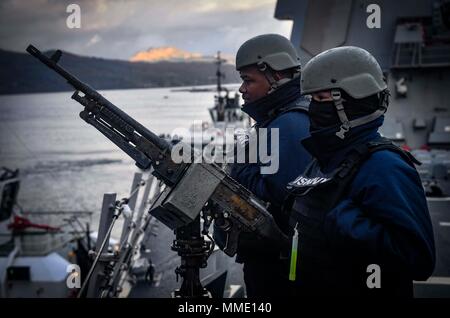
[[118, 29]]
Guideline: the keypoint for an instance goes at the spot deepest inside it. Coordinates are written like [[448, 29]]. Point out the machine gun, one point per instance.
[[190, 187]]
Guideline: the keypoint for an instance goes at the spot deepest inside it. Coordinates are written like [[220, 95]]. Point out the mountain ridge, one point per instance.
[[22, 73]]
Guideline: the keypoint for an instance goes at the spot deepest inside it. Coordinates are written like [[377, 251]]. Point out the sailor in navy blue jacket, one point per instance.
[[265, 266], [381, 219], [360, 209], [270, 70], [293, 126]]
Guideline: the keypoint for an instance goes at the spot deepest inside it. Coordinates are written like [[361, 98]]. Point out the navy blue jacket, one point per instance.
[[385, 216], [293, 158], [275, 110]]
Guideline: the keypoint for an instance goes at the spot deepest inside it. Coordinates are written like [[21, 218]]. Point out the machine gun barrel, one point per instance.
[[92, 94], [138, 142], [190, 186]]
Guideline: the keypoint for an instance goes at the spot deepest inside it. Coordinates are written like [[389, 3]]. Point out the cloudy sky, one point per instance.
[[119, 29]]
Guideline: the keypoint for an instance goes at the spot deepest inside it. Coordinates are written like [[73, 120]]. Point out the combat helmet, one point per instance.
[[352, 70], [269, 51]]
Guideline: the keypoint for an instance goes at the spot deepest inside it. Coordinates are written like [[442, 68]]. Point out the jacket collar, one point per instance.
[[330, 150]]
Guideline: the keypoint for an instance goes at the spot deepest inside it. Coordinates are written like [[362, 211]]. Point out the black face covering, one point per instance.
[[322, 115], [355, 108]]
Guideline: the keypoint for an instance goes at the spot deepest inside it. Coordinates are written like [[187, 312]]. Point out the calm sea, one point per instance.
[[66, 164]]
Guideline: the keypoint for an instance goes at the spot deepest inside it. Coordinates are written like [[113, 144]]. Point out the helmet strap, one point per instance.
[[384, 98], [337, 100], [347, 124], [269, 76], [274, 84]]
